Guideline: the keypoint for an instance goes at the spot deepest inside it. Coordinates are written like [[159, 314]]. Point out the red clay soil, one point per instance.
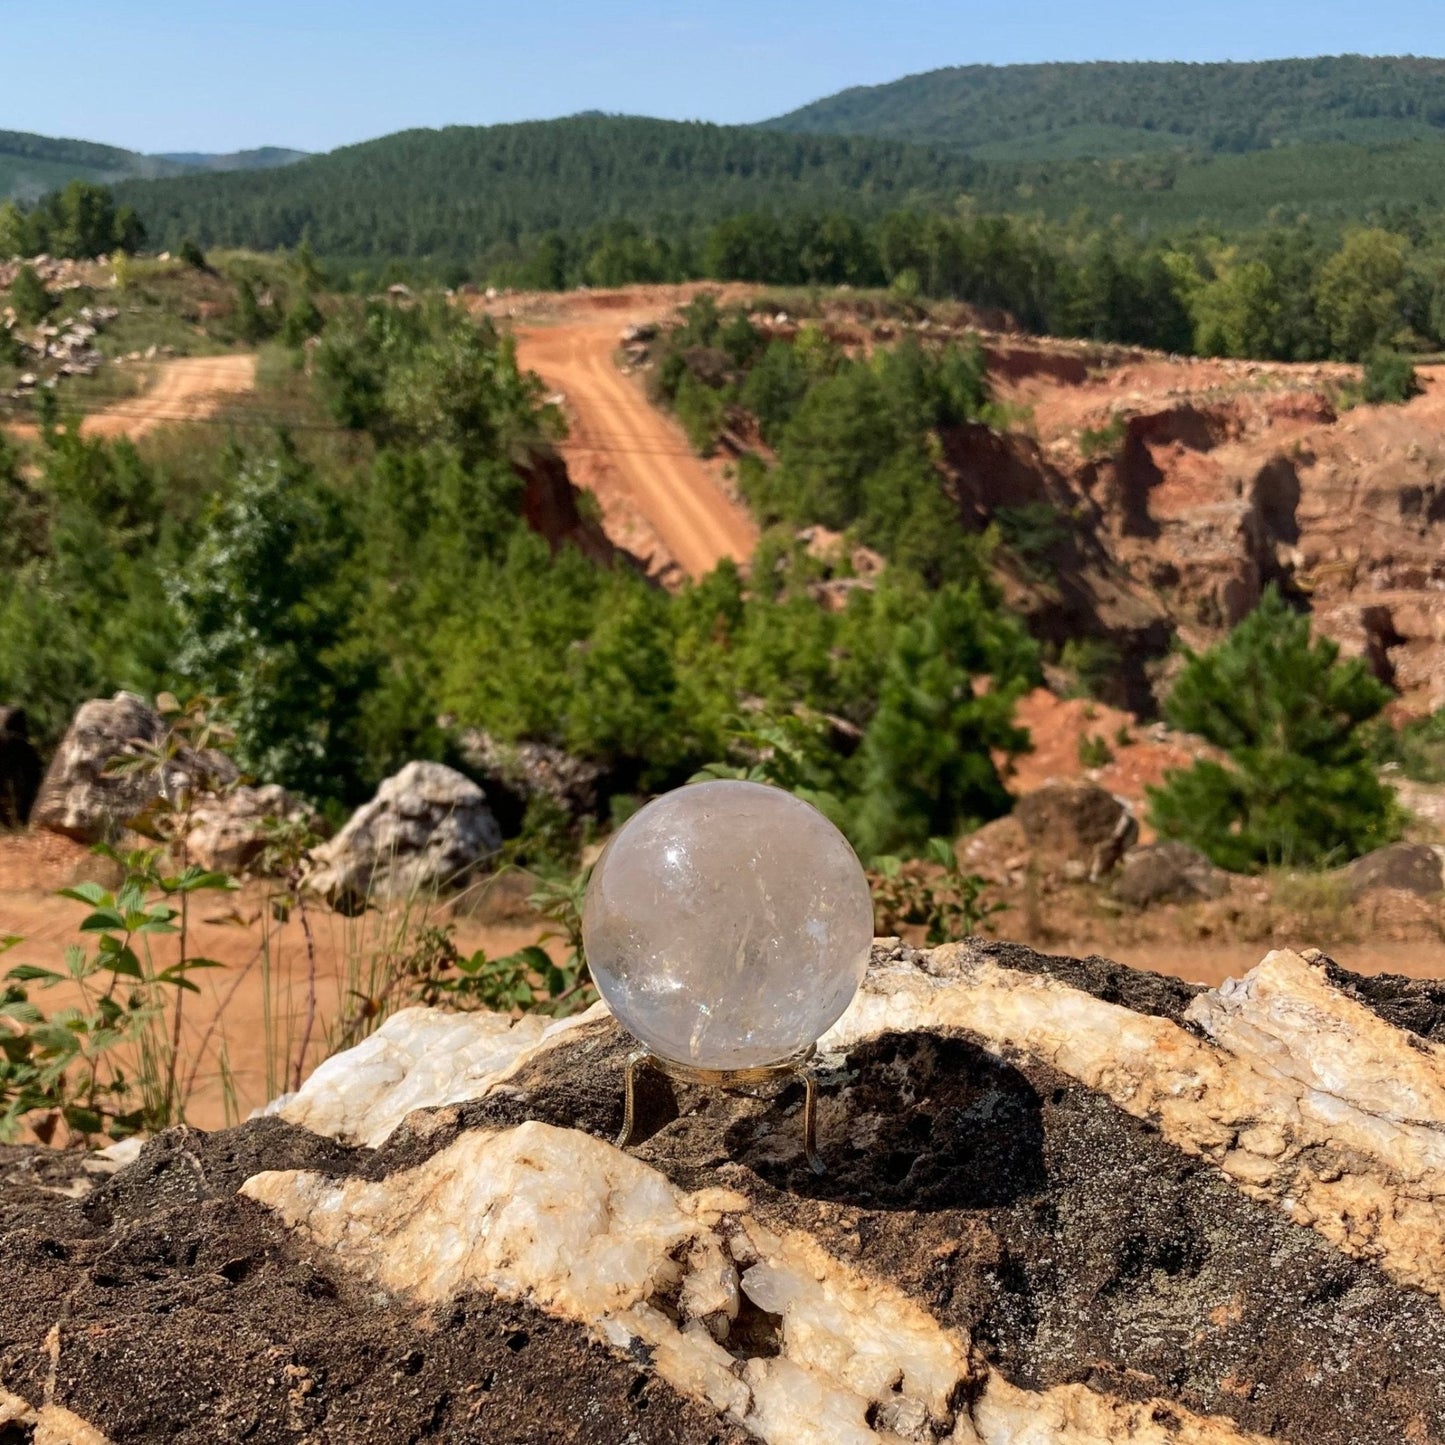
[[1138, 755], [251, 1013]]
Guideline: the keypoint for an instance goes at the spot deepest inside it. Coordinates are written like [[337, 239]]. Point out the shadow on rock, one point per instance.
[[913, 1122]]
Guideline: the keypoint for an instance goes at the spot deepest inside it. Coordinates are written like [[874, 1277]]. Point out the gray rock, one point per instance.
[[1082, 828], [516, 773], [83, 798], [1417, 868], [228, 831], [1168, 873], [20, 768], [427, 828]]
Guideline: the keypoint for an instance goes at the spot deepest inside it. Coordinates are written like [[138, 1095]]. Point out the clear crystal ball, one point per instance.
[[728, 925]]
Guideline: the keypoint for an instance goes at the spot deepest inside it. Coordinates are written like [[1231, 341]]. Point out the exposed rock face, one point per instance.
[[20, 768], [428, 827], [83, 799], [228, 831], [1205, 481], [1067, 1204], [1168, 873], [1417, 868], [1077, 826]]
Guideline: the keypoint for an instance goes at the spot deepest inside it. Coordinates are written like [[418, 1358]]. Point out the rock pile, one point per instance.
[[1067, 1204]]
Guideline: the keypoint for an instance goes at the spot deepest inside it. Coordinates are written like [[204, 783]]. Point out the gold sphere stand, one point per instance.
[[800, 1066]]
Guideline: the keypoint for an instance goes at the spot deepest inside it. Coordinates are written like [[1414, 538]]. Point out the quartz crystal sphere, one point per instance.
[[728, 925]]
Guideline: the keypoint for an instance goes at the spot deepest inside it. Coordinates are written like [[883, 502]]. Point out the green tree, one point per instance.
[[266, 602], [927, 757], [32, 302], [1389, 378], [1236, 314], [303, 321], [15, 235], [1358, 292], [252, 324], [1299, 787]]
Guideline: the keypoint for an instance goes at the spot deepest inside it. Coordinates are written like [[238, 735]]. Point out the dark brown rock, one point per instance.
[[1168, 872], [1079, 827], [1417, 868]]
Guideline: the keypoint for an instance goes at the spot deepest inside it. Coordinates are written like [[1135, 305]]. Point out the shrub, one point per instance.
[[1389, 378], [32, 302], [702, 411], [1300, 788]]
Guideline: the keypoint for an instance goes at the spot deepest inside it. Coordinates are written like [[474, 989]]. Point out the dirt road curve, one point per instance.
[[187, 389], [632, 456]]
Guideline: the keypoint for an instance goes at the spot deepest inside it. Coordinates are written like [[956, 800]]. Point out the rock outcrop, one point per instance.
[[88, 794], [1077, 827], [1417, 868], [20, 768], [427, 828], [1067, 1204], [1168, 872]]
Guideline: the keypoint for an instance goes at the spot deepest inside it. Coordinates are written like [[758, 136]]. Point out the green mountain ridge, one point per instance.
[[32, 165], [1112, 109], [454, 192]]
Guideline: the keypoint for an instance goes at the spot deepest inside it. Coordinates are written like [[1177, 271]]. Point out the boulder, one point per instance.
[[1168, 873], [1082, 829], [1066, 1203], [20, 768], [228, 831], [427, 828], [515, 774], [1417, 868], [84, 799]]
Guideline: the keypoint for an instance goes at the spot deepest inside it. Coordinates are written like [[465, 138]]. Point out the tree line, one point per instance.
[[79, 222]]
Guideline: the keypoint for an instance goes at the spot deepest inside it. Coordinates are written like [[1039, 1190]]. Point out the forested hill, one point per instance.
[[31, 165], [452, 193], [1109, 109]]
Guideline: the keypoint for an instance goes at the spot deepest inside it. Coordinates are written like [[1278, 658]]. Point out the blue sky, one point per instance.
[[218, 75]]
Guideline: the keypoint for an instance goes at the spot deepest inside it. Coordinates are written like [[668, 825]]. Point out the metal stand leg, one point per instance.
[[629, 1108], [739, 1079], [810, 1121]]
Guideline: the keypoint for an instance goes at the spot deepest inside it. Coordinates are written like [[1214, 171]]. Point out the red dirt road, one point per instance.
[[658, 498], [620, 441], [190, 388]]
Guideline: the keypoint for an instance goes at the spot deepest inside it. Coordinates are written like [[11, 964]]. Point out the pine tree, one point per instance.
[[1298, 788], [927, 757]]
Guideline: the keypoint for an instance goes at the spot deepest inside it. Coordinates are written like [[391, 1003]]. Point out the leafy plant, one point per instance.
[[1031, 532], [933, 892], [1104, 441], [435, 972], [1094, 751], [106, 1065], [1417, 747]]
